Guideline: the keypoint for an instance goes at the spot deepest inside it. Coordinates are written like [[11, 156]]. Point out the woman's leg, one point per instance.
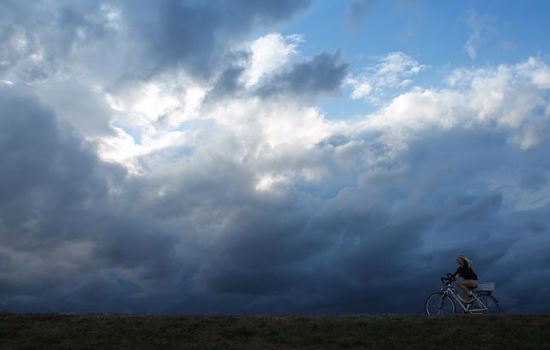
[[470, 284], [463, 289], [466, 286]]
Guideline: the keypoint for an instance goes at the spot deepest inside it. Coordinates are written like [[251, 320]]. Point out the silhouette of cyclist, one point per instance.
[[469, 277]]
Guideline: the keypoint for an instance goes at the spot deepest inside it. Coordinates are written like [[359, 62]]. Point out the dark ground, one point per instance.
[[104, 331]]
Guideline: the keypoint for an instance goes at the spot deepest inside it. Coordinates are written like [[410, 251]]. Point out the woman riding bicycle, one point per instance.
[[469, 277]]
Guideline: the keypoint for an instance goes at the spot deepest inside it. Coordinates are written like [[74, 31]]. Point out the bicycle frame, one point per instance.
[[450, 291]]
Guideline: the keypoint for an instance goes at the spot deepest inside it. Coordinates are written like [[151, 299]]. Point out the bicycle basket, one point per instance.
[[486, 287]]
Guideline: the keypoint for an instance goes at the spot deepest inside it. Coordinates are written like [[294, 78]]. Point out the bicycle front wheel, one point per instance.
[[439, 304], [490, 303]]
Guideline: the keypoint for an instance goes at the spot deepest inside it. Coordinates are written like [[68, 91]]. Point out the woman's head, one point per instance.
[[463, 261]]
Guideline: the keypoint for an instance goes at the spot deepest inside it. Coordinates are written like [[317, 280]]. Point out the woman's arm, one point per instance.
[[456, 273]]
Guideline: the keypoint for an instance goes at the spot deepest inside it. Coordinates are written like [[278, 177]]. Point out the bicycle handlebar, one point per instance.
[[448, 278]]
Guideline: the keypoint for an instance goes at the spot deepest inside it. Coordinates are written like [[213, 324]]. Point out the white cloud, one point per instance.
[[480, 28], [149, 117], [392, 71], [269, 53], [268, 182], [361, 89], [124, 149], [507, 96], [266, 126], [537, 71]]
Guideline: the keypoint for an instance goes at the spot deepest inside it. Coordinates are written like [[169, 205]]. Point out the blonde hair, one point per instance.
[[465, 260]]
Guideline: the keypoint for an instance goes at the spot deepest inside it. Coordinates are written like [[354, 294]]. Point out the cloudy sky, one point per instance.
[[258, 156]]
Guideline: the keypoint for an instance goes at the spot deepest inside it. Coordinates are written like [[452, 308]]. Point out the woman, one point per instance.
[[469, 277]]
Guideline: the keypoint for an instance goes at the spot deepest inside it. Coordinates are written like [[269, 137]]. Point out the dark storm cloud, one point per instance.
[[94, 240], [386, 243], [196, 34], [272, 246], [466, 214], [59, 227], [324, 73], [380, 246], [227, 84]]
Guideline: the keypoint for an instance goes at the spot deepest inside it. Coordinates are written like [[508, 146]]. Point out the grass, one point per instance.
[[104, 331]]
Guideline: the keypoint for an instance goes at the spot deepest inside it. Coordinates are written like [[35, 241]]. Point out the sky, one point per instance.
[[271, 157]]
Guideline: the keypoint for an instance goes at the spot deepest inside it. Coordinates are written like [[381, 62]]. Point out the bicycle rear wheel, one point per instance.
[[490, 302], [439, 304]]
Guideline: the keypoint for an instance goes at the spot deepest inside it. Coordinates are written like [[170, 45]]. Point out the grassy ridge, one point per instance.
[[99, 331]]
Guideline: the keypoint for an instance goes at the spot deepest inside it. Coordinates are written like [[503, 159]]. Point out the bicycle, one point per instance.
[[482, 301]]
